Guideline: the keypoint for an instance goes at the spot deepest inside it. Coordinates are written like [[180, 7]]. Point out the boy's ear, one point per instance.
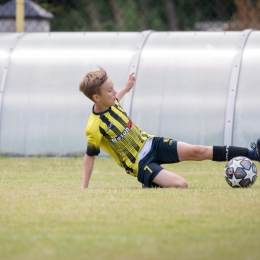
[[96, 97]]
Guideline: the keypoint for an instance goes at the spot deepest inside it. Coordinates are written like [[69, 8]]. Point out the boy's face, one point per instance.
[[107, 97]]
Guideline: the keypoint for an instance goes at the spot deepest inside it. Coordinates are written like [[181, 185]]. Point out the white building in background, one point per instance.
[[37, 19]]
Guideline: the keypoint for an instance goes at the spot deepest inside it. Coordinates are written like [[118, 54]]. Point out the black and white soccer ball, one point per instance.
[[240, 172]]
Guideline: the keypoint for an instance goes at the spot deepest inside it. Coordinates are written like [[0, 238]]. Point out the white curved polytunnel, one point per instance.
[[197, 87]]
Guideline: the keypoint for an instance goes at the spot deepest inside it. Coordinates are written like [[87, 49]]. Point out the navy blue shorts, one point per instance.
[[163, 151]]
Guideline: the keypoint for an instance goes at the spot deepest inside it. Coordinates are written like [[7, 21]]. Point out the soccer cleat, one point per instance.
[[152, 185], [256, 148]]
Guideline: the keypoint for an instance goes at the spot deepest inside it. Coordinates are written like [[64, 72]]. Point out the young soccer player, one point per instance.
[[139, 153]]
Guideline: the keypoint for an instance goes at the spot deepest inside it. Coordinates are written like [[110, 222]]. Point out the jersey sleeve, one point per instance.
[[94, 139]]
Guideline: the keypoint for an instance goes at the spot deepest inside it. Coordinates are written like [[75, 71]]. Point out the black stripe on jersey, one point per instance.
[[103, 132], [104, 119], [114, 147], [120, 109], [128, 169], [108, 122], [129, 155], [118, 118], [116, 130], [132, 140], [135, 145]]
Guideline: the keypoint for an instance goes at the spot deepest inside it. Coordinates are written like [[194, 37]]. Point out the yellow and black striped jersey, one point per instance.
[[115, 133]]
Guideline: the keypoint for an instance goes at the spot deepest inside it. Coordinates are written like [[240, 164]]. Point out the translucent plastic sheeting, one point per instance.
[[184, 79], [7, 42], [247, 117], [43, 112], [181, 90]]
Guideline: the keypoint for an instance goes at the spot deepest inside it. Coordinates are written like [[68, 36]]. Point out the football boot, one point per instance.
[[153, 185], [256, 148]]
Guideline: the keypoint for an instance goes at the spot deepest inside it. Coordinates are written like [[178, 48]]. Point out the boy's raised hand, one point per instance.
[[131, 81], [129, 85]]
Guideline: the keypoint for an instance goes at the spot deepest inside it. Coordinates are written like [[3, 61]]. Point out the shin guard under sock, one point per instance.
[[226, 153]]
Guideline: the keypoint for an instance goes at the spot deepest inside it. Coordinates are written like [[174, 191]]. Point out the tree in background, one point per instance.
[[139, 15], [247, 15], [135, 15]]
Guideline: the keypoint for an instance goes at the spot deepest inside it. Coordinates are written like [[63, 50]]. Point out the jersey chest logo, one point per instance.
[[126, 130], [110, 126]]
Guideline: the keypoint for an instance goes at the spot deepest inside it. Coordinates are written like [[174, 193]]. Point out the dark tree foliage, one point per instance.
[[139, 15]]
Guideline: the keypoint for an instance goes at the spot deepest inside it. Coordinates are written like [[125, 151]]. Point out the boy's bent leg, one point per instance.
[[153, 174], [169, 179], [189, 152]]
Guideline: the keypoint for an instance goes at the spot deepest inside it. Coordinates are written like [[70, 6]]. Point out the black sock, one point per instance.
[[226, 153], [251, 155]]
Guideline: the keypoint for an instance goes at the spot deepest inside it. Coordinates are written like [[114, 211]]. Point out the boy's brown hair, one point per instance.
[[92, 82]]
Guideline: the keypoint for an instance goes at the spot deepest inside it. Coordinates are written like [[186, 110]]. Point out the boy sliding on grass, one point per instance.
[[139, 153]]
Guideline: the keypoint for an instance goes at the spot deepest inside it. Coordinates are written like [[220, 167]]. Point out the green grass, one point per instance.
[[46, 215]]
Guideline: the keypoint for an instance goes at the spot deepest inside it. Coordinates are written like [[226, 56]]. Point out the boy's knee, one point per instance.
[[181, 183], [170, 180]]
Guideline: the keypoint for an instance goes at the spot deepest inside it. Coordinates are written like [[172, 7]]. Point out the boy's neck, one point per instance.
[[99, 109]]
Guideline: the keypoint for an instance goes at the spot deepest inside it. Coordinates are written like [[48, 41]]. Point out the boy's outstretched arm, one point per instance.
[[87, 170], [129, 84]]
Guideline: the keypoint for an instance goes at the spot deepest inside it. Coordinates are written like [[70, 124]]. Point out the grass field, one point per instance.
[[46, 215]]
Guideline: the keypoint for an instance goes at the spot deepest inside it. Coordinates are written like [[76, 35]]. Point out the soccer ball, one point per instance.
[[240, 172]]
